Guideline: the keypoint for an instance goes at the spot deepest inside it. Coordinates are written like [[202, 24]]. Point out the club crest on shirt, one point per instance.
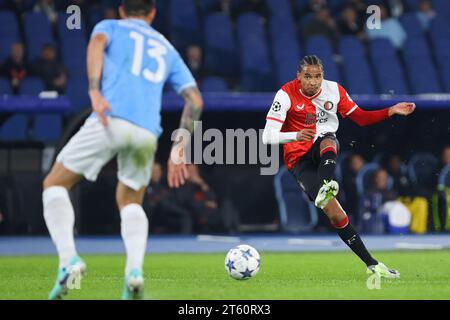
[[328, 105]]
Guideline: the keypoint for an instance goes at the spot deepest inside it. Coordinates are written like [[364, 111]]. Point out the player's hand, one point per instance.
[[305, 135], [402, 108], [100, 105], [177, 173]]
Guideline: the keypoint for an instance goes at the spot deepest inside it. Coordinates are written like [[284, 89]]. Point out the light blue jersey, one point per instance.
[[138, 61]]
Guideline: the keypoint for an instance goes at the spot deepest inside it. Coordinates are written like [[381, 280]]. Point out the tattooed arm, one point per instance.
[[177, 171], [95, 54]]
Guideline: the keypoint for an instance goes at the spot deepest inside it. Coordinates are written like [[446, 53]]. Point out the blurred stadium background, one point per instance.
[[241, 52]]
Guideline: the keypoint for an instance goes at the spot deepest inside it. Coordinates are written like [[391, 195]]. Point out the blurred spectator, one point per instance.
[[445, 156], [373, 217], [110, 13], [397, 170], [350, 172], [48, 8], [390, 29], [200, 199], [396, 8], [18, 6], [167, 215], [322, 24], [426, 13], [227, 7], [50, 70], [349, 24], [194, 60], [15, 67], [360, 8], [312, 7]]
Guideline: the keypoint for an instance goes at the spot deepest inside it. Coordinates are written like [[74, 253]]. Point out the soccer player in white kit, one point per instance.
[[128, 63]]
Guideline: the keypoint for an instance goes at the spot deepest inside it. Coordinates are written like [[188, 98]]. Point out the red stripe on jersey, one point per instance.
[[275, 119]]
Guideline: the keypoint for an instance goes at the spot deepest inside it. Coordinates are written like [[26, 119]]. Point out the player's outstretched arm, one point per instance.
[[366, 118], [402, 109], [95, 54], [176, 166]]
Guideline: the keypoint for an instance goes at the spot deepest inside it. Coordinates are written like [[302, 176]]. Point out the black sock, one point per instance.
[[327, 166], [353, 240]]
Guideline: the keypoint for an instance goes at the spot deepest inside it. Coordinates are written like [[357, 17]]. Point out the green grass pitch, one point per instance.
[[330, 275]]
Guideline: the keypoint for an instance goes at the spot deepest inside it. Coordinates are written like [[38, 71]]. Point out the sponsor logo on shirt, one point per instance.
[[300, 107], [321, 117]]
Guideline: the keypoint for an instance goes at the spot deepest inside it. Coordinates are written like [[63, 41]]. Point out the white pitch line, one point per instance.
[[218, 238], [419, 246], [326, 243]]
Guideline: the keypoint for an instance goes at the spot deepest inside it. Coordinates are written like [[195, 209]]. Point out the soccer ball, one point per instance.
[[242, 262]]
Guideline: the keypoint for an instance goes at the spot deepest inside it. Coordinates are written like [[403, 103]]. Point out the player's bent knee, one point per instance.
[[328, 145], [126, 196]]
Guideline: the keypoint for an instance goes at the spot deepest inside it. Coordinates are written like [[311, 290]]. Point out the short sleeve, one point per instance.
[[105, 27], [280, 106], [180, 77], [346, 105]]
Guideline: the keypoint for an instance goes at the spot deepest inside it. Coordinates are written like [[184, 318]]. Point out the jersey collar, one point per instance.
[[139, 21], [311, 97]]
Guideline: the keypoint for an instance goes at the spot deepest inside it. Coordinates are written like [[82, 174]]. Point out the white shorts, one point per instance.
[[94, 145]]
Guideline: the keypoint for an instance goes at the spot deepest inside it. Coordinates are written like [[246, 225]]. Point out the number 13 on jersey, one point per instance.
[[156, 51]]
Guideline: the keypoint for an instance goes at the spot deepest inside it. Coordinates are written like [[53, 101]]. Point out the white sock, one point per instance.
[[60, 219], [134, 230]]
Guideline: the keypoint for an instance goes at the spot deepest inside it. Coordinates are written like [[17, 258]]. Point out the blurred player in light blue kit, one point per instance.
[[128, 64]]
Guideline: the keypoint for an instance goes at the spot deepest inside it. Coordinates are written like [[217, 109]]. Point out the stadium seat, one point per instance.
[[46, 127], [387, 68], [442, 7], [413, 4], [256, 66], [285, 49], [5, 87], [280, 8], [73, 52], [214, 84], [161, 20], [221, 55], [185, 25], [440, 39], [206, 5], [297, 212], [321, 47], [32, 86], [14, 128], [418, 61], [412, 25], [9, 33], [38, 32], [422, 168], [77, 93], [356, 69]]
